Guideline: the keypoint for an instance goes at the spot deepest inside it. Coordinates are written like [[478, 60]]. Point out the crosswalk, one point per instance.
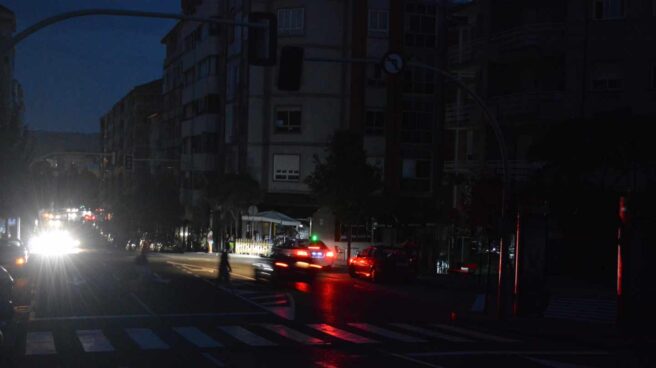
[[259, 335]]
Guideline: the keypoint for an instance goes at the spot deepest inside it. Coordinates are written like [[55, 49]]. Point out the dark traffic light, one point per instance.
[[290, 68], [262, 42]]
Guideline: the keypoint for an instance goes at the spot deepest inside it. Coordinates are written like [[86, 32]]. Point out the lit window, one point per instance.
[[288, 120], [286, 167], [291, 20], [378, 21]]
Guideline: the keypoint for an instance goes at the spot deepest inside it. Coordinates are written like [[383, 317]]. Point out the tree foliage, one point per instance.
[[344, 181], [233, 194]]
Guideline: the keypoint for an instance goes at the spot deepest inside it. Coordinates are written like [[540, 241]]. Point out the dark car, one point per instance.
[[280, 266], [383, 262], [13, 256], [6, 305]]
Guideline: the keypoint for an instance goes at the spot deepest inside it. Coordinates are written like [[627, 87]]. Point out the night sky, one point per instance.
[[73, 72]]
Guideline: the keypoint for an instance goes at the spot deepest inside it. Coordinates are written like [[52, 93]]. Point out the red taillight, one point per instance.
[[280, 264], [301, 253], [330, 254]]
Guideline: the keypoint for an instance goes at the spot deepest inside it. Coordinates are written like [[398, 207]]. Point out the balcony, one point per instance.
[[528, 35], [518, 169], [547, 105], [455, 114], [198, 162]]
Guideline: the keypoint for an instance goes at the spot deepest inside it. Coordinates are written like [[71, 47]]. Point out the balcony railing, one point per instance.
[[546, 104], [517, 168], [527, 35], [456, 113]]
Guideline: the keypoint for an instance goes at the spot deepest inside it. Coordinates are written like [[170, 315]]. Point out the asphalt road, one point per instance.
[[90, 310]]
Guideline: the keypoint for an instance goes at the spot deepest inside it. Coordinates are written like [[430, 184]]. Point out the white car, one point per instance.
[[317, 251]]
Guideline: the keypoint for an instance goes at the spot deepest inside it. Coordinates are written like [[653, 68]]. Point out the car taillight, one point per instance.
[[20, 261], [301, 253], [281, 264], [330, 254]]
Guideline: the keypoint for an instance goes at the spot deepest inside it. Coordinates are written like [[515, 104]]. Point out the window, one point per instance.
[[419, 81], [606, 77], [286, 167], [417, 123], [374, 122], [213, 29], [378, 21], [189, 76], [608, 9], [378, 163], [415, 175], [288, 120], [375, 78], [209, 104], [420, 21], [291, 20]]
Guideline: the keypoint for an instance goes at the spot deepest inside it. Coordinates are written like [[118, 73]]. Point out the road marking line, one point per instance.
[[214, 360], [143, 305], [40, 343], [505, 352], [269, 296], [430, 333], [93, 341], [284, 312], [133, 316], [341, 334], [416, 361], [146, 339], [196, 337], [246, 336], [294, 335], [471, 333], [386, 333]]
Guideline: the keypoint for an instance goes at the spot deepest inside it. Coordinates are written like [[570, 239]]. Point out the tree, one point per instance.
[[345, 182], [230, 195]]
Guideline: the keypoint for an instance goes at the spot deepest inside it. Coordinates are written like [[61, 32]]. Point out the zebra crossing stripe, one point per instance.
[[40, 343], [471, 333], [341, 334], [197, 337], [246, 336], [385, 332], [146, 339], [430, 333], [93, 341], [294, 335]]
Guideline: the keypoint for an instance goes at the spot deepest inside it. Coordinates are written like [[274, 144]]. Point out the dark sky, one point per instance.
[[73, 72]]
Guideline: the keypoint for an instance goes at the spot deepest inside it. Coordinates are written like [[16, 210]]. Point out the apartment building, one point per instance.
[[125, 133], [274, 135], [192, 103], [538, 63], [11, 93]]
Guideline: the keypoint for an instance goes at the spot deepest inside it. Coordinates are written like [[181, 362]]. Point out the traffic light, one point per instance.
[[314, 238], [290, 68], [128, 162], [262, 42]]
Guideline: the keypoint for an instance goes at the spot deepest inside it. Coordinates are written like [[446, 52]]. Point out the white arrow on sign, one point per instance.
[[393, 63]]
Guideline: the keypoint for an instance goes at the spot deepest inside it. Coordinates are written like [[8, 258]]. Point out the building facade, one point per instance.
[[125, 140]]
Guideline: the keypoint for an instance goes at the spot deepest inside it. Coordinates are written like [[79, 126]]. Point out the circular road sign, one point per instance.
[[392, 63]]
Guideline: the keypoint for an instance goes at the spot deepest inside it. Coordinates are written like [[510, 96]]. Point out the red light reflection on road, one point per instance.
[[327, 301], [303, 287]]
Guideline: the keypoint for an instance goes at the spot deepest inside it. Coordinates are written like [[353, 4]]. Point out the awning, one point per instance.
[[273, 217]]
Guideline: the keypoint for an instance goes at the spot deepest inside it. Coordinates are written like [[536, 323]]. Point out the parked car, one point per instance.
[[6, 305], [14, 256], [316, 250], [383, 262], [281, 266]]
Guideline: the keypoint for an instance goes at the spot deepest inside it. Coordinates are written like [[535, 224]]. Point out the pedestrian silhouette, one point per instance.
[[224, 267]]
